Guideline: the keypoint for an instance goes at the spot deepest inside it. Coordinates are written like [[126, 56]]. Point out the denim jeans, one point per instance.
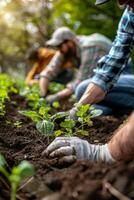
[[119, 100]]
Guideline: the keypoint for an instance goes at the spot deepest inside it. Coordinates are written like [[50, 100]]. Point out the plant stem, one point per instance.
[[13, 191]]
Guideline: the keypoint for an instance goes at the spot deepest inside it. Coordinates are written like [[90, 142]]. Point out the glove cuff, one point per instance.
[[98, 153], [105, 154]]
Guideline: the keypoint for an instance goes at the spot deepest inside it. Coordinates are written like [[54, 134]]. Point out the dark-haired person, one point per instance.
[[84, 51], [41, 57]]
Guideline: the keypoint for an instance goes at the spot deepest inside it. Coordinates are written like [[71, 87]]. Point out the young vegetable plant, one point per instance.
[[69, 125], [32, 96], [18, 124], [85, 113], [40, 118], [17, 174], [6, 86], [43, 120]]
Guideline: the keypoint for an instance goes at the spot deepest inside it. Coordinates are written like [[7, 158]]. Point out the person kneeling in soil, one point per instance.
[[42, 57], [85, 51], [108, 88], [119, 148]]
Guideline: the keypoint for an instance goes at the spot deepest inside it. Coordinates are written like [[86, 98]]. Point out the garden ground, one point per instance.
[[82, 180]]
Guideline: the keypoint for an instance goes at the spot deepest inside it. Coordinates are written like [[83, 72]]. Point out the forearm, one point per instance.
[[43, 85], [93, 94], [121, 145], [65, 93]]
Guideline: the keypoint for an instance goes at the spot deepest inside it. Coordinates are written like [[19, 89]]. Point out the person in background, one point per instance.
[[84, 51], [41, 57], [121, 146]]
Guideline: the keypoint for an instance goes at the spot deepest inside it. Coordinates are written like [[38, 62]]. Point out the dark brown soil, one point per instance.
[[83, 180]]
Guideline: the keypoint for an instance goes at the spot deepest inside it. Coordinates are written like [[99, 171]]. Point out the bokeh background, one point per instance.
[[25, 24]]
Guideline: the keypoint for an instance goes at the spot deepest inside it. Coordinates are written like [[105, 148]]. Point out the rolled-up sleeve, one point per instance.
[[111, 65]]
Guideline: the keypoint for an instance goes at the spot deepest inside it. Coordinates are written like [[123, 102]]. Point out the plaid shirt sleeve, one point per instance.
[[54, 67], [111, 65]]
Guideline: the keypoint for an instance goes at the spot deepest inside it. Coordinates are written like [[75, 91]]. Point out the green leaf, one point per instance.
[[82, 110], [56, 104], [55, 87], [83, 132], [68, 123], [58, 133], [44, 111], [95, 113], [31, 114], [59, 115], [15, 179], [45, 127], [23, 170]]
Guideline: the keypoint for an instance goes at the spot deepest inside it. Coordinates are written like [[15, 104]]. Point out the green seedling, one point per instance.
[[55, 87], [32, 96], [42, 120], [6, 86], [58, 133], [68, 124], [3, 97], [85, 113], [18, 124], [56, 104], [17, 174]]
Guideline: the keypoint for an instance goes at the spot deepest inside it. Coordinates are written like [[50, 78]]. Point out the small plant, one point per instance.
[[85, 113], [56, 104], [32, 96], [42, 120], [17, 174], [55, 87], [68, 124], [6, 86], [18, 124]]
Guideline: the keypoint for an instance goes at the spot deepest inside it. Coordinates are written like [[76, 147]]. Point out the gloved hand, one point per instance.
[[72, 113], [52, 98], [70, 149]]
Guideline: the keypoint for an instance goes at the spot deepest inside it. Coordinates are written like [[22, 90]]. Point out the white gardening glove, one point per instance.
[[70, 149], [72, 113]]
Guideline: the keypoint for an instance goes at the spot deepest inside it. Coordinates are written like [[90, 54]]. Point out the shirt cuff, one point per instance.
[[101, 81]]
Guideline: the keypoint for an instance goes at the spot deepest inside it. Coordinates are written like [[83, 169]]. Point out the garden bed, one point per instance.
[[82, 180]]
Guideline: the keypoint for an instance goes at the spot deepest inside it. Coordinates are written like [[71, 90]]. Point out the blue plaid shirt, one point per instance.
[[110, 66]]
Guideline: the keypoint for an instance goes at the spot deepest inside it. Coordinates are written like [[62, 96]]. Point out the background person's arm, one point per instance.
[[50, 72], [30, 76], [65, 93]]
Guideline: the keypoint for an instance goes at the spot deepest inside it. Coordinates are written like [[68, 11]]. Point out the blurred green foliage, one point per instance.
[[86, 18], [27, 23]]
